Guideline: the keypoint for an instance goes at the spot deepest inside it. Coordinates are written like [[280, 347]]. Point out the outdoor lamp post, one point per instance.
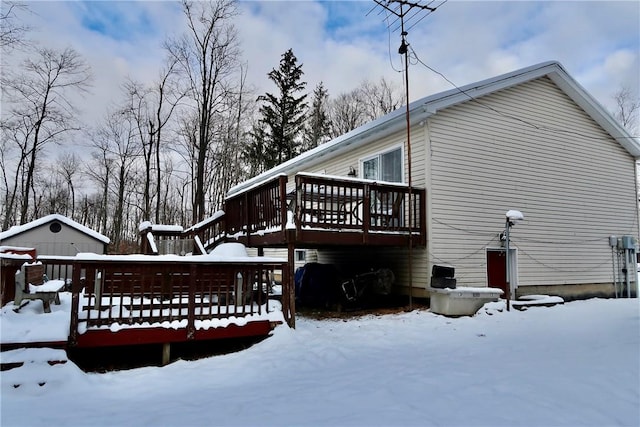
[[511, 217]]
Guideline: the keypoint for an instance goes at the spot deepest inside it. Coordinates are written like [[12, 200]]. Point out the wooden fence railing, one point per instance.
[[263, 207], [122, 291], [265, 214], [330, 202], [58, 267]]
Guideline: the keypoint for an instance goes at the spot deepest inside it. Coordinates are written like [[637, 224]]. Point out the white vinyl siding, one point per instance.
[[396, 259], [543, 156]]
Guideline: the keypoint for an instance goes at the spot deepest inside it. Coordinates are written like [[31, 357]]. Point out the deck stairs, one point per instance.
[[35, 368]]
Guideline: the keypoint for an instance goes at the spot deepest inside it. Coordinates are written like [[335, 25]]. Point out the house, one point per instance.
[[533, 141]]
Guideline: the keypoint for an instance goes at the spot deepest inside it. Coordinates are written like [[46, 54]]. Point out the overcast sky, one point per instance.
[[343, 42]]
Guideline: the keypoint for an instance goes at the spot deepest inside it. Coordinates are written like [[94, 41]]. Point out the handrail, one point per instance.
[[261, 207]]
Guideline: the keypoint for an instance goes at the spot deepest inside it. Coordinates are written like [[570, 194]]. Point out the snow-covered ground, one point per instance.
[[575, 364]]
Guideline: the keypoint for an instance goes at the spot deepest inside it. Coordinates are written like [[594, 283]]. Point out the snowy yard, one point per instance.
[[575, 364]]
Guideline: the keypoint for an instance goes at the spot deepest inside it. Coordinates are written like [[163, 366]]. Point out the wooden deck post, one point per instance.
[[76, 287], [366, 213], [289, 295], [166, 353], [191, 316]]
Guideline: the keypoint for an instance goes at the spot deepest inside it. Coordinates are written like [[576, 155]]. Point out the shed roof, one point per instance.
[[18, 229], [430, 105]]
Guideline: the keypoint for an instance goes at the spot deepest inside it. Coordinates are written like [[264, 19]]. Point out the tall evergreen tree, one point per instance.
[[318, 126], [283, 115]]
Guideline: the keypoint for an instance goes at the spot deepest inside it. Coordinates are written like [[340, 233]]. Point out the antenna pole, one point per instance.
[[404, 47], [405, 7]]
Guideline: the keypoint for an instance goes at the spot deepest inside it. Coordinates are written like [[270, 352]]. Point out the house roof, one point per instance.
[[430, 105], [18, 229]]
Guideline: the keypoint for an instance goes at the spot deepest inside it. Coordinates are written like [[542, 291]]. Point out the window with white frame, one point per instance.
[[386, 166]]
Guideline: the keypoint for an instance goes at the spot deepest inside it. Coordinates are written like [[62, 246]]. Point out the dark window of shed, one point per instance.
[[55, 227]]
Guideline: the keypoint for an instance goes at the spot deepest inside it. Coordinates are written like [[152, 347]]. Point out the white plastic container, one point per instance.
[[461, 301]]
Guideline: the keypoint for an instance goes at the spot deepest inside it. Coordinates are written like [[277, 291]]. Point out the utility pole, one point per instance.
[[401, 8]]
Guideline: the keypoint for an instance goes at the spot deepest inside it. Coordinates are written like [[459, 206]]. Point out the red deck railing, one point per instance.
[[318, 211], [262, 209], [112, 294], [321, 208], [350, 204]]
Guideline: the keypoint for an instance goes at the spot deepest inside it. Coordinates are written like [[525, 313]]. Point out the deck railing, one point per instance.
[[261, 208], [331, 202], [58, 267], [264, 214], [324, 202], [116, 292], [208, 233]]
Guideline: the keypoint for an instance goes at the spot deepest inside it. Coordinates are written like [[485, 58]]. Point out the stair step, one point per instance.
[[31, 366], [526, 301]]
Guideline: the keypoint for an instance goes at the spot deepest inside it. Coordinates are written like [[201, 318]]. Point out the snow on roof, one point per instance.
[[18, 229], [430, 105]]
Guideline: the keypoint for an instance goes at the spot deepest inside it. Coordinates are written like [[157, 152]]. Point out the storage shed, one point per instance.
[[55, 235]]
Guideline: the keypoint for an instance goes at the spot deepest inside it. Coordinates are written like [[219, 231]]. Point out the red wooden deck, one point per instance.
[[320, 211], [146, 299], [122, 300], [324, 211]]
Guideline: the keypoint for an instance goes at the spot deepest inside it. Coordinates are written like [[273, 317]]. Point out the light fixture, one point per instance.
[[352, 171]]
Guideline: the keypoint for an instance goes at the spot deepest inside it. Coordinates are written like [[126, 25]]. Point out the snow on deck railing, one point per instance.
[[168, 290]]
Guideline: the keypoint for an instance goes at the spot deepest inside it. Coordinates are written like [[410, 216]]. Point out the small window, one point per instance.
[[55, 227], [301, 255]]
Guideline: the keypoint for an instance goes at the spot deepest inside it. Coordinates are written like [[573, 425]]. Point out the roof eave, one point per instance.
[[430, 105]]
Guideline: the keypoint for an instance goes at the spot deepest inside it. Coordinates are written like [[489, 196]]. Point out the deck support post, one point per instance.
[[289, 296], [166, 353], [76, 287]]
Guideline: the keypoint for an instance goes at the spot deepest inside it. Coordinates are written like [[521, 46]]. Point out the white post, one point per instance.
[[508, 266]]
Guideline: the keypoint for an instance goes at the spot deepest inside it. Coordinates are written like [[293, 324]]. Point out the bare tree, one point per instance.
[[208, 57], [151, 108], [346, 113], [54, 195], [12, 31], [627, 109], [40, 110], [231, 127], [378, 98], [365, 103], [116, 149], [68, 167]]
